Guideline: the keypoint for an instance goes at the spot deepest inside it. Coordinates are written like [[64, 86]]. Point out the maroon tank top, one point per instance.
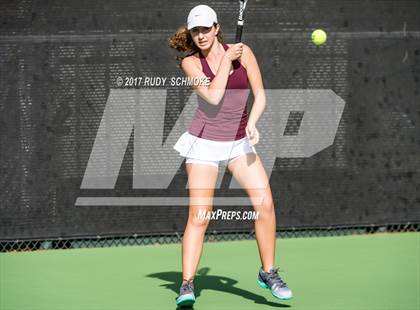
[[227, 120]]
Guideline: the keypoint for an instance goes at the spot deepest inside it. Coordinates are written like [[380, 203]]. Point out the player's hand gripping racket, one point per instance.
[[240, 24]]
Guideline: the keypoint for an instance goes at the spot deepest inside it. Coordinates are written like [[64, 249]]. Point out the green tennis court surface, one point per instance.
[[380, 271]]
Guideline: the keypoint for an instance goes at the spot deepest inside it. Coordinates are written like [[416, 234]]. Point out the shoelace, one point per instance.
[[187, 287], [274, 276]]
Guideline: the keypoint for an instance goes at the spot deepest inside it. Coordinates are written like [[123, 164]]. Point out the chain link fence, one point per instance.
[[213, 236]]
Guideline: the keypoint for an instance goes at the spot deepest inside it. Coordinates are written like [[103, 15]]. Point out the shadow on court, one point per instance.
[[204, 281]]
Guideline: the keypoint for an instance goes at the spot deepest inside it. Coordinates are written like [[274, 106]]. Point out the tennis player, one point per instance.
[[222, 130]]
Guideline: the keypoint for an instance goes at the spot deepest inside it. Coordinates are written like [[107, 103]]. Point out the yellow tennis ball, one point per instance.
[[318, 36]]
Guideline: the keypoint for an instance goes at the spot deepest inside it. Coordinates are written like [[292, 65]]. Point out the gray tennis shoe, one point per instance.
[[274, 283], [186, 297]]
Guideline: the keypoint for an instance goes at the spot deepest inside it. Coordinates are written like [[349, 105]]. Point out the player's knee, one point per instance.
[[266, 205], [200, 218]]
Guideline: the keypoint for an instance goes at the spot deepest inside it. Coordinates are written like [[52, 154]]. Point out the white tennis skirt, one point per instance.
[[198, 148]]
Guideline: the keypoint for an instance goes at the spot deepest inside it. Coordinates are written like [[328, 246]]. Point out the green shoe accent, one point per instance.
[[261, 283], [185, 300]]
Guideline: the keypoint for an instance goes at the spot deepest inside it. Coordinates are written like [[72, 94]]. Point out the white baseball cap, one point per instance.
[[201, 15]]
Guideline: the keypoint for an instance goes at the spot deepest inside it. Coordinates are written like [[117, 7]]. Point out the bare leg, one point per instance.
[[201, 182], [248, 170]]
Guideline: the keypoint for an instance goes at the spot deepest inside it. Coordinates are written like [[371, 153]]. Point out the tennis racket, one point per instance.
[[240, 24]]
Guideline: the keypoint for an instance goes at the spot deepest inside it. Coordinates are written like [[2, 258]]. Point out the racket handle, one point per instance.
[[238, 37]]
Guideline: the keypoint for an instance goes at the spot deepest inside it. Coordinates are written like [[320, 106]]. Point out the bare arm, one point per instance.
[[254, 76], [213, 92]]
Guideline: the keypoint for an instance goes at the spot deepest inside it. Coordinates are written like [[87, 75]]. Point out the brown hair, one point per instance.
[[183, 42]]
